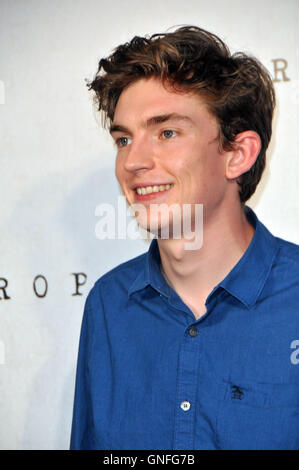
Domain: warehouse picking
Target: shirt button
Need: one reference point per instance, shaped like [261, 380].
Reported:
[193, 331]
[185, 405]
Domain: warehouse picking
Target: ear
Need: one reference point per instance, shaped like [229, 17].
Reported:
[246, 148]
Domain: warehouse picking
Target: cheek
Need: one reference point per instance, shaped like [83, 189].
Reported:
[184, 159]
[118, 170]
[206, 173]
[213, 163]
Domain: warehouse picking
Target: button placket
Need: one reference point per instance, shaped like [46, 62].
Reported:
[186, 393]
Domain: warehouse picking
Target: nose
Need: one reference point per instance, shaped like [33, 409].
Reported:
[139, 156]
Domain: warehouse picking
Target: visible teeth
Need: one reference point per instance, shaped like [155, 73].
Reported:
[153, 189]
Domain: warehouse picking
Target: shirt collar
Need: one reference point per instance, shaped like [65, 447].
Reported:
[245, 281]
[151, 274]
[247, 278]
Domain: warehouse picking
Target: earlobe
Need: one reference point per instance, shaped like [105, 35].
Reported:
[247, 146]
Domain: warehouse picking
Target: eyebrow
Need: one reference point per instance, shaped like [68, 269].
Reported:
[152, 122]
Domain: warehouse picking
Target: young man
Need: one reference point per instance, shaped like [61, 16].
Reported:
[190, 349]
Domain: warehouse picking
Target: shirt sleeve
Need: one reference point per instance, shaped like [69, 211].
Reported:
[81, 433]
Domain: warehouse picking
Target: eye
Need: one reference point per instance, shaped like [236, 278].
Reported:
[168, 134]
[122, 141]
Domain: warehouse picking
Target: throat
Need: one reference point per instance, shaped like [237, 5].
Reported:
[198, 310]
[196, 303]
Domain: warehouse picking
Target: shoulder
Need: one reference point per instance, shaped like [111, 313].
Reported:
[287, 254]
[284, 274]
[118, 280]
[128, 269]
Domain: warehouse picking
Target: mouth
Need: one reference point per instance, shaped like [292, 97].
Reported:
[155, 189]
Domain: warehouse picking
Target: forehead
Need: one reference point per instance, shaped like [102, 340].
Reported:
[149, 97]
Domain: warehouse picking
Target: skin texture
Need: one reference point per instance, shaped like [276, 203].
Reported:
[183, 151]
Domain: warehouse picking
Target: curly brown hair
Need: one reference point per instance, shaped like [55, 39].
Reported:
[236, 87]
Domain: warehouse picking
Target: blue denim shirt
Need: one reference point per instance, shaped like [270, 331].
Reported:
[151, 376]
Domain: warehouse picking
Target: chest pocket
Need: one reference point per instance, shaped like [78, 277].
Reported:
[258, 416]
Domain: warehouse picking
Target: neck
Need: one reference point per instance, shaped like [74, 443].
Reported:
[194, 273]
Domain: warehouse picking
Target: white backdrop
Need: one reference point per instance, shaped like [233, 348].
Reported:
[57, 165]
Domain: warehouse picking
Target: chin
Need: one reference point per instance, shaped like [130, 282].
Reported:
[163, 223]
[162, 230]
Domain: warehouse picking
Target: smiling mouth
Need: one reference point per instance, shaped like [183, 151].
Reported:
[143, 190]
